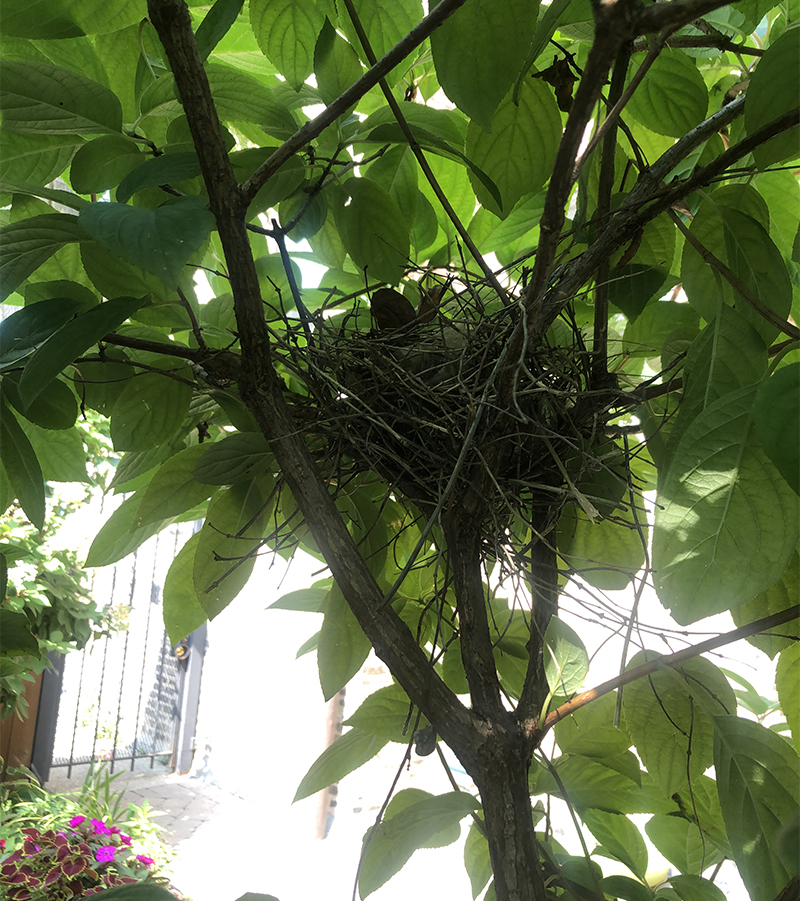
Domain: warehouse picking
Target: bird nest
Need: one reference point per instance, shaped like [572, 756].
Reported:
[418, 401]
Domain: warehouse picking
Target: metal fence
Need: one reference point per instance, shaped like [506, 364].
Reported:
[129, 696]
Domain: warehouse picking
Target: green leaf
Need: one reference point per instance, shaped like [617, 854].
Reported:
[606, 554]
[65, 198]
[183, 612]
[672, 97]
[149, 410]
[310, 600]
[102, 163]
[476, 860]
[781, 595]
[34, 158]
[41, 98]
[776, 417]
[71, 340]
[286, 31]
[619, 839]
[61, 454]
[745, 247]
[16, 638]
[682, 843]
[235, 458]
[665, 717]
[229, 541]
[336, 64]
[499, 36]
[758, 779]
[347, 753]
[519, 151]
[66, 18]
[160, 241]
[21, 467]
[626, 888]
[566, 662]
[343, 646]
[29, 243]
[374, 231]
[695, 888]
[22, 332]
[590, 730]
[140, 892]
[160, 170]
[385, 713]
[773, 91]
[118, 538]
[173, 489]
[216, 24]
[397, 838]
[787, 681]
[726, 522]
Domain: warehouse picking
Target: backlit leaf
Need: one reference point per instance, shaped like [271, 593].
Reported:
[681, 842]
[672, 97]
[174, 489]
[776, 417]
[566, 662]
[336, 64]
[286, 31]
[21, 467]
[26, 329]
[619, 838]
[347, 753]
[343, 646]
[149, 410]
[787, 681]
[781, 595]
[183, 612]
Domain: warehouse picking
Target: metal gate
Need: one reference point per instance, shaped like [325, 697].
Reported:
[129, 696]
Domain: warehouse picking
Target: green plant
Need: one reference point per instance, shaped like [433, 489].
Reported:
[562, 299]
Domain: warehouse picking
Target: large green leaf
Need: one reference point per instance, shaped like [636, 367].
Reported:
[39, 97]
[229, 541]
[241, 98]
[16, 638]
[681, 842]
[61, 454]
[665, 717]
[745, 247]
[591, 731]
[173, 489]
[619, 839]
[499, 35]
[34, 158]
[71, 340]
[216, 24]
[777, 421]
[118, 537]
[781, 595]
[606, 554]
[29, 243]
[22, 332]
[160, 241]
[374, 231]
[343, 646]
[235, 458]
[21, 467]
[399, 836]
[726, 522]
[476, 859]
[384, 713]
[149, 410]
[787, 682]
[101, 164]
[672, 97]
[183, 612]
[68, 18]
[385, 23]
[160, 170]
[519, 151]
[773, 91]
[336, 64]
[758, 779]
[286, 31]
[566, 662]
[347, 753]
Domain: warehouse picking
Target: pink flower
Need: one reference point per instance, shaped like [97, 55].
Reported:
[143, 858]
[100, 828]
[105, 853]
[76, 821]
[125, 839]
[2, 844]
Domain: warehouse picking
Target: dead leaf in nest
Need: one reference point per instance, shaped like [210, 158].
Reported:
[391, 310]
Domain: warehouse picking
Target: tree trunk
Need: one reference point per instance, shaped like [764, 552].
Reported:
[513, 847]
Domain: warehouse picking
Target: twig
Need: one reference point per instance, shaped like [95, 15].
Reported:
[702, 42]
[196, 330]
[646, 669]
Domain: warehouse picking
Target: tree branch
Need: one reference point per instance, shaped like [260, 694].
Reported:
[702, 42]
[673, 14]
[262, 391]
[638, 672]
[352, 95]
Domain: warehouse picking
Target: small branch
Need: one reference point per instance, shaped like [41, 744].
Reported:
[423, 162]
[158, 347]
[646, 669]
[673, 14]
[279, 236]
[351, 96]
[196, 330]
[735, 282]
[702, 42]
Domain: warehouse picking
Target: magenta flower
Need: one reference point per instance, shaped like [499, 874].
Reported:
[143, 858]
[105, 853]
[76, 821]
[100, 828]
[125, 839]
